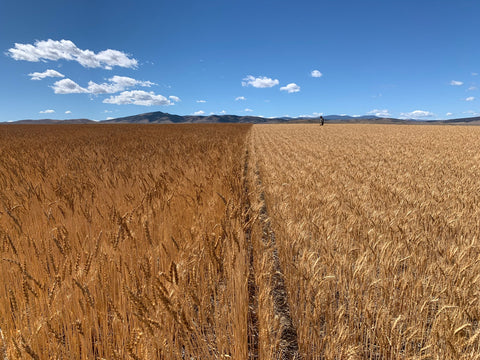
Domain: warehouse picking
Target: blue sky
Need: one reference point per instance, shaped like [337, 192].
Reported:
[99, 59]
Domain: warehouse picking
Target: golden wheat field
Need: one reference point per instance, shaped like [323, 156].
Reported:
[239, 241]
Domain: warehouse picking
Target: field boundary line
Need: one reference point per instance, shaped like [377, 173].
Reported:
[285, 329]
[252, 321]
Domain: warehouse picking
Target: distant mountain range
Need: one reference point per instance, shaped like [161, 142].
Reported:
[159, 117]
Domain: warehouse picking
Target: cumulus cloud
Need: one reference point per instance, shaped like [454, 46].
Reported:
[138, 97]
[248, 110]
[46, 73]
[240, 98]
[448, 114]
[470, 98]
[417, 114]
[49, 111]
[201, 101]
[456, 83]
[223, 112]
[67, 86]
[66, 50]
[174, 98]
[380, 113]
[68, 112]
[316, 74]
[199, 112]
[259, 82]
[291, 88]
[116, 84]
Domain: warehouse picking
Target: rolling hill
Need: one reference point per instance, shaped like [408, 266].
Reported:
[159, 117]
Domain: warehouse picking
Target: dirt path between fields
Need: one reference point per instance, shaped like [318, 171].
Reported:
[271, 330]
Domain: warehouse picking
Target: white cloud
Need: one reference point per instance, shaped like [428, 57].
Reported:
[456, 83]
[291, 88]
[417, 114]
[223, 112]
[248, 110]
[471, 88]
[380, 112]
[109, 118]
[448, 114]
[316, 74]
[474, 74]
[201, 101]
[260, 82]
[116, 84]
[470, 98]
[240, 98]
[138, 97]
[199, 112]
[471, 112]
[46, 73]
[66, 50]
[49, 111]
[313, 115]
[67, 86]
[174, 98]
[68, 112]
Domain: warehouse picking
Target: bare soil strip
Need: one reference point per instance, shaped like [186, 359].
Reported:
[252, 321]
[287, 346]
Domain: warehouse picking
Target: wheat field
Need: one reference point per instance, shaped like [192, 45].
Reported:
[121, 242]
[239, 241]
[377, 229]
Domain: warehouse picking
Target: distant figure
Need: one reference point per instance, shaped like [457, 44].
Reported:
[322, 121]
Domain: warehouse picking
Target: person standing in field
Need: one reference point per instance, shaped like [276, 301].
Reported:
[322, 121]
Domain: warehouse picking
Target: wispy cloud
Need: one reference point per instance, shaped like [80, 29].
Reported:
[417, 114]
[138, 97]
[201, 101]
[291, 88]
[448, 114]
[474, 74]
[66, 50]
[46, 73]
[259, 82]
[240, 98]
[199, 112]
[380, 113]
[470, 98]
[174, 98]
[49, 111]
[68, 112]
[316, 74]
[456, 83]
[313, 115]
[248, 110]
